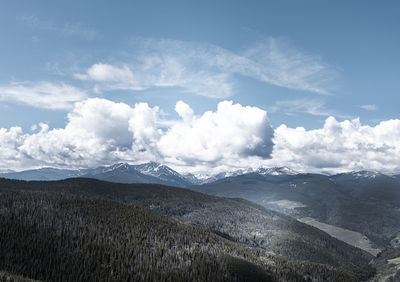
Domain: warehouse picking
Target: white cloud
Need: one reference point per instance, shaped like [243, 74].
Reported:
[339, 146]
[101, 132]
[369, 107]
[231, 133]
[10, 140]
[278, 63]
[211, 71]
[184, 111]
[104, 72]
[98, 131]
[309, 106]
[42, 94]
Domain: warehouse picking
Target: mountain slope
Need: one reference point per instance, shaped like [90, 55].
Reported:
[388, 266]
[42, 174]
[235, 219]
[367, 203]
[61, 237]
[122, 172]
[163, 173]
[8, 277]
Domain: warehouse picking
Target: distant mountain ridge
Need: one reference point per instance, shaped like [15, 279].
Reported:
[153, 172]
[46, 173]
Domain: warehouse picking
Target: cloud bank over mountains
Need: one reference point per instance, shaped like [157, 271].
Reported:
[340, 146]
[101, 131]
[225, 136]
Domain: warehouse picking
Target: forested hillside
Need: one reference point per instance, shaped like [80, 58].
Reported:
[63, 237]
[234, 219]
[387, 264]
[365, 202]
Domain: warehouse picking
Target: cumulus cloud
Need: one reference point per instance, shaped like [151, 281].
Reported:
[10, 140]
[54, 96]
[104, 72]
[339, 146]
[100, 132]
[209, 70]
[184, 111]
[231, 133]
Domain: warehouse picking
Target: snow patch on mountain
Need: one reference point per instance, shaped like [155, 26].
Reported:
[156, 170]
[276, 171]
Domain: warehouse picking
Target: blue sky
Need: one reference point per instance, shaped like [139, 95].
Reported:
[300, 61]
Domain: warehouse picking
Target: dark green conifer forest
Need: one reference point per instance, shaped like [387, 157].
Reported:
[53, 236]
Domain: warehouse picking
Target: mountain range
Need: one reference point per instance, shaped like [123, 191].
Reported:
[151, 172]
[342, 220]
[360, 208]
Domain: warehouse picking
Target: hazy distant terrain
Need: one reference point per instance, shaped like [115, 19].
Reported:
[364, 202]
[122, 172]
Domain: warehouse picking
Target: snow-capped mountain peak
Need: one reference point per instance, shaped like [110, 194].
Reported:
[276, 171]
[365, 174]
[155, 169]
[118, 166]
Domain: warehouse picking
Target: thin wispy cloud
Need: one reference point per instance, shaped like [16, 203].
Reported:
[278, 63]
[305, 106]
[69, 29]
[369, 107]
[209, 70]
[45, 95]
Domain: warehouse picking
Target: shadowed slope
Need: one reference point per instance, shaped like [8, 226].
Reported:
[235, 219]
[63, 237]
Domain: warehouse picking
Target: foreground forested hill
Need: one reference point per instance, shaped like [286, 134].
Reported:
[62, 237]
[235, 219]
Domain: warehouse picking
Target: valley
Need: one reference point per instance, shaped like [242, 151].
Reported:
[356, 202]
[353, 238]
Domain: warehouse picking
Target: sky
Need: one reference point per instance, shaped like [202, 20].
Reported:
[202, 86]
